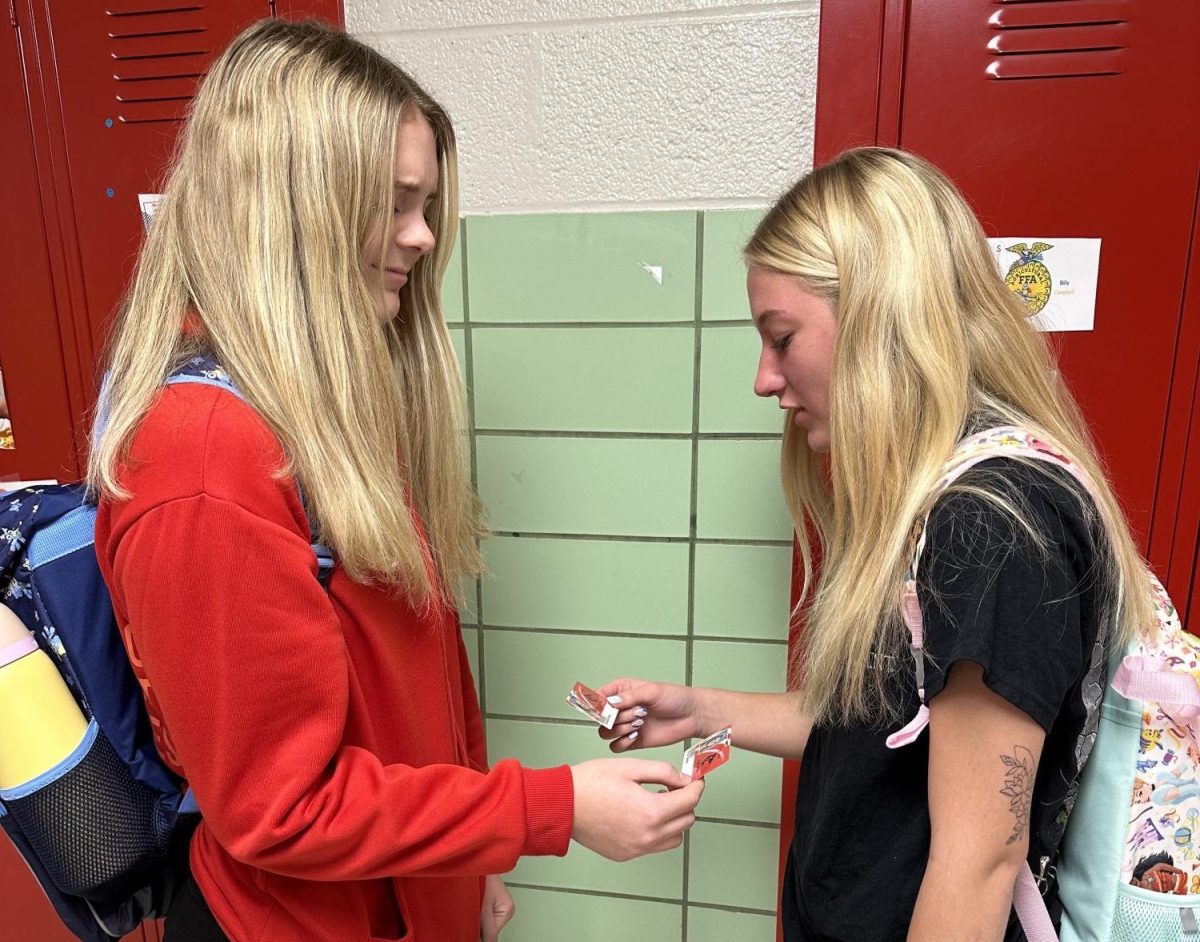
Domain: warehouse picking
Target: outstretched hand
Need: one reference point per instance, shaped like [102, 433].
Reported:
[619, 819]
[650, 714]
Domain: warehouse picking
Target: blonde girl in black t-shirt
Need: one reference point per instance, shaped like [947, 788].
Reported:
[887, 337]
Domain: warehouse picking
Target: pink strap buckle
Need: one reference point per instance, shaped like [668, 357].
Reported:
[902, 737]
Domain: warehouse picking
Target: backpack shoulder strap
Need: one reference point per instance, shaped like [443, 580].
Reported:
[1007, 441]
[206, 371]
[1001, 442]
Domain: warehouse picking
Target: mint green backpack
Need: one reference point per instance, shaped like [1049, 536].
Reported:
[1128, 865]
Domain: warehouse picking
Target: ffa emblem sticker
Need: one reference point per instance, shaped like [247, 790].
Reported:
[1028, 277]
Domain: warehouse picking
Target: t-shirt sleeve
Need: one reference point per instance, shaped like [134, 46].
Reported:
[991, 595]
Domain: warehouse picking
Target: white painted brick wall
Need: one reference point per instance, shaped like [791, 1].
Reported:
[565, 105]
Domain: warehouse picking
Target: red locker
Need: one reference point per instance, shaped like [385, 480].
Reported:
[91, 94]
[1071, 118]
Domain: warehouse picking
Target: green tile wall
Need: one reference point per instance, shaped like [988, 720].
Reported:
[724, 277]
[580, 380]
[734, 865]
[529, 673]
[728, 364]
[452, 285]
[459, 338]
[588, 585]
[585, 485]
[546, 915]
[741, 589]
[739, 494]
[632, 482]
[715, 925]
[582, 267]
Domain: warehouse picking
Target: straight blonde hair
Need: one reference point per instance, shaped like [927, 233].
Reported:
[931, 345]
[283, 173]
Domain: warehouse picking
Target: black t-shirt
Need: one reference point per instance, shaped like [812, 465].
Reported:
[988, 595]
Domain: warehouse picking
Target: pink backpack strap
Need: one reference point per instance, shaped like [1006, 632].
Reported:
[1149, 673]
[1031, 908]
[1004, 442]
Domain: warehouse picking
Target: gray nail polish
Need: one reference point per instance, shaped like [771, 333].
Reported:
[636, 723]
[640, 711]
[633, 735]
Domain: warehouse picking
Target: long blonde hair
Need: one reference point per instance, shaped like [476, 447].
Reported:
[930, 341]
[283, 172]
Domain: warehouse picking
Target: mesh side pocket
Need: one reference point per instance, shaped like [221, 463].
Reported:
[1142, 916]
[97, 830]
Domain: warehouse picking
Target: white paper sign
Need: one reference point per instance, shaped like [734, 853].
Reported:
[148, 204]
[1055, 277]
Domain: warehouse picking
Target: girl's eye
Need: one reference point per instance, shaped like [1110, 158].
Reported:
[782, 343]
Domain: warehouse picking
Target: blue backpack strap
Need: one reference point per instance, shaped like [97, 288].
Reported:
[206, 371]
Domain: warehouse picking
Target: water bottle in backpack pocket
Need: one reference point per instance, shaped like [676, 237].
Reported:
[100, 820]
[103, 823]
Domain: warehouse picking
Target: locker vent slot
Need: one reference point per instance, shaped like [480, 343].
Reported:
[159, 50]
[1058, 38]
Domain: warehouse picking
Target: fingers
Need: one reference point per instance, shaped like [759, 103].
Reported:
[498, 909]
[624, 744]
[627, 721]
[672, 832]
[504, 911]
[683, 799]
[618, 686]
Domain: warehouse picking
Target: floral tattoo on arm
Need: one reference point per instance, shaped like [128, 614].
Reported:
[1018, 788]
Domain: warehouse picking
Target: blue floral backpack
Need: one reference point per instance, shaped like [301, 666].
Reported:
[1128, 865]
[105, 832]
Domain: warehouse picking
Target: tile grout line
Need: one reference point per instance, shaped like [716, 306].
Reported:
[741, 822]
[469, 367]
[636, 635]
[609, 894]
[697, 333]
[722, 323]
[630, 436]
[638, 538]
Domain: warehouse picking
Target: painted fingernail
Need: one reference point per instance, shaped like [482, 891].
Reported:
[636, 723]
[640, 711]
[633, 735]
[615, 699]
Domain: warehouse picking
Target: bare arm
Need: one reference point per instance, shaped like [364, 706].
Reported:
[653, 714]
[983, 756]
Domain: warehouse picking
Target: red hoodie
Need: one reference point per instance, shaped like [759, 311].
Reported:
[333, 741]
